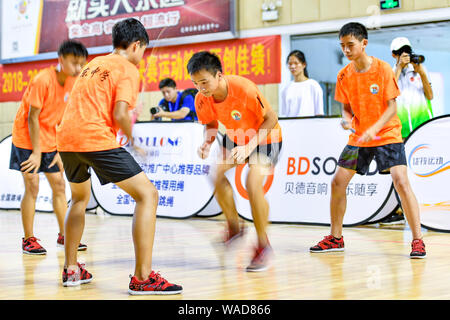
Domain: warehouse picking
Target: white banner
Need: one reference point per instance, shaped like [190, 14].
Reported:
[299, 190]
[428, 155]
[20, 26]
[12, 186]
[172, 164]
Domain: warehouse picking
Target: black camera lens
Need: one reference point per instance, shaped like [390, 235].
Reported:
[154, 110]
[417, 58]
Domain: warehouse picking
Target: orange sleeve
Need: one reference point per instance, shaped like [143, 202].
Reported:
[340, 94]
[127, 88]
[204, 113]
[256, 102]
[38, 92]
[391, 90]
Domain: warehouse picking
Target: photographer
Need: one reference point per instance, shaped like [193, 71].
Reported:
[175, 105]
[413, 104]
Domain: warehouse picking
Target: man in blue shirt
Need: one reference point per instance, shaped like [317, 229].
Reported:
[179, 105]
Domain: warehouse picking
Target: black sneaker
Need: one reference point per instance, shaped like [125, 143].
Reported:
[393, 219]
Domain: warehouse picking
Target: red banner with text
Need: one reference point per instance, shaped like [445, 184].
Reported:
[258, 59]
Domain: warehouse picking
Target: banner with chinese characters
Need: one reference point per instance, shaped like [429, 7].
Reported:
[258, 59]
[299, 189]
[91, 21]
[182, 178]
[428, 155]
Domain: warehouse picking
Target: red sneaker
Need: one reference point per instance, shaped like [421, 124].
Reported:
[230, 238]
[261, 259]
[31, 246]
[155, 284]
[418, 249]
[75, 278]
[329, 243]
[60, 243]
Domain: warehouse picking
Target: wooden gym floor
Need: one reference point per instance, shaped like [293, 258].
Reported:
[375, 265]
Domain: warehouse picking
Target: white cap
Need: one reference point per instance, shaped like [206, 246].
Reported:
[399, 42]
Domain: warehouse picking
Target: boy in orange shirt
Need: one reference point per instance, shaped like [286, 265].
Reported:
[98, 107]
[253, 136]
[34, 139]
[367, 89]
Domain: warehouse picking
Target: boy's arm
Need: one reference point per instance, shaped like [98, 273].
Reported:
[347, 115]
[33, 163]
[371, 133]
[122, 117]
[270, 121]
[211, 130]
[240, 153]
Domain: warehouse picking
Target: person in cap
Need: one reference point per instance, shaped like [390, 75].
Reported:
[414, 103]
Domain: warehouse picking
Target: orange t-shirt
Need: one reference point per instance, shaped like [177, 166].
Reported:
[242, 112]
[45, 93]
[88, 123]
[368, 94]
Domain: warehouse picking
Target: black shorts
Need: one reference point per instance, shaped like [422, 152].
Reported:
[386, 157]
[272, 151]
[19, 155]
[113, 165]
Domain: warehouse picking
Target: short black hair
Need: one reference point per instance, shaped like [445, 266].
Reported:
[127, 31]
[75, 48]
[167, 82]
[204, 60]
[355, 29]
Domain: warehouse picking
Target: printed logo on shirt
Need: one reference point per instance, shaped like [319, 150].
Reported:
[412, 79]
[236, 115]
[374, 88]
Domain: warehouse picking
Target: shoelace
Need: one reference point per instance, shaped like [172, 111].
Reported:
[33, 241]
[327, 240]
[418, 246]
[157, 277]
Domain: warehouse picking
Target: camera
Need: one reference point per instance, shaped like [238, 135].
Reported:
[414, 58]
[154, 110]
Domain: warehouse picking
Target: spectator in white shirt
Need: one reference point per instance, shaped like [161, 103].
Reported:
[302, 97]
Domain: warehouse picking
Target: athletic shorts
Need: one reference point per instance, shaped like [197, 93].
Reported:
[386, 157]
[19, 155]
[113, 165]
[272, 151]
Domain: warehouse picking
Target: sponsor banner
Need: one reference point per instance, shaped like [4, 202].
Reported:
[182, 178]
[91, 21]
[391, 205]
[428, 154]
[12, 187]
[300, 187]
[257, 59]
[20, 26]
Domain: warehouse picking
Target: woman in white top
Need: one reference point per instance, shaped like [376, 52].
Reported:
[303, 97]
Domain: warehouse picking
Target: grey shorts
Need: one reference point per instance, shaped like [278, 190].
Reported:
[386, 157]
